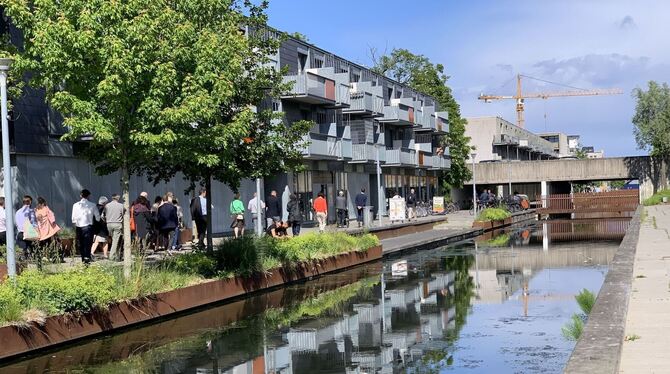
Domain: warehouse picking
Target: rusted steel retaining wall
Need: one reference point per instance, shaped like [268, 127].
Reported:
[517, 217]
[18, 340]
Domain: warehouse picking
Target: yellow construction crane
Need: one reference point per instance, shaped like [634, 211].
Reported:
[520, 96]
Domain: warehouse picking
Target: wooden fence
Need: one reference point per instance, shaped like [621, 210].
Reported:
[598, 202]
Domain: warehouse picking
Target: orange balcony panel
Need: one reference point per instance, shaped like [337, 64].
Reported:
[410, 111]
[330, 89]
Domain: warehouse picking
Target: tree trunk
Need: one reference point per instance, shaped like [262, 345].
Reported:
[127, 244]
[208, 186]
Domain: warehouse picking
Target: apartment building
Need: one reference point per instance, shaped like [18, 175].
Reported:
[496, 139]
[359, 117]
[361, 120]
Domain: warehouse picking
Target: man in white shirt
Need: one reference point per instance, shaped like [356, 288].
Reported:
[253, 208]
[3, 222]
[83, 214]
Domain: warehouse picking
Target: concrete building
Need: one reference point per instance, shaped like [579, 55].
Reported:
[497, 139]
[559, 141]
[359, 117]
[573, 143]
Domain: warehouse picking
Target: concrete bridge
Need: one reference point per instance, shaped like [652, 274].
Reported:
[555, 176]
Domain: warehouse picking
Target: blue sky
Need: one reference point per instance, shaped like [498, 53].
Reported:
[482, 44]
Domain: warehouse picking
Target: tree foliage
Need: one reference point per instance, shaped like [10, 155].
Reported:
[421, 74]
[652, 119]
[160, 86]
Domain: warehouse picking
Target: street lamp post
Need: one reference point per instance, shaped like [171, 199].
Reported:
[474, 183]
[379, 188]
[259, 213]
[5, 63]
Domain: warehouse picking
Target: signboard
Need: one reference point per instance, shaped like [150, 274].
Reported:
[397, 209]
[438, 204]
[399, 269]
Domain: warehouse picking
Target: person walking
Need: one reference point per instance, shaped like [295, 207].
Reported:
[199, 215]
[361, 201]
[167, 221]
[100, 229]
[24, 219]
[113, 214]
[176, 245]
[341, 208]
[273, 211]
[294, 214]
[237, 212]
[84, 214]
[46, 222]
[3, 222]
[321, 209]
[410, 201]
[252, 206]
[142, 217]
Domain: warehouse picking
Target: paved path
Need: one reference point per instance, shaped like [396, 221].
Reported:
[648, 318]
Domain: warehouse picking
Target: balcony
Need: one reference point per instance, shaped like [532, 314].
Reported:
[505, 139]
[401, 157]
[424, 159]
[365, 103]
[323, 146]
[367, 153]
[425, 118]
[441, 122]
[311, 88]
[342, 85]
[399, 112]
[440, 162]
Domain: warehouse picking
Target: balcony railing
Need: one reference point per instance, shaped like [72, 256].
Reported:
[365, 103]
[311, 88]
[399, 111]
[424, 159]
[505, 139]
[326, 146]
[367, 153]
[400, 156]
[440, 162]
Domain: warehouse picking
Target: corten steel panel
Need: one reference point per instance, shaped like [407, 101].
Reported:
[330, 89]
[410, 112]
[132, 342]
[61, 329]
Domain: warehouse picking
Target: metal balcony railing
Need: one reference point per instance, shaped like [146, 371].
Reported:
[310, 88]
[367, 153]
[365, 102]
[326, 146]
[400, 156]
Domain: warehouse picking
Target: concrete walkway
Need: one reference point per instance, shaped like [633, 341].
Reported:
[647, 344]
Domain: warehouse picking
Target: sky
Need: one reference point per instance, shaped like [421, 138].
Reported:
[484, 44]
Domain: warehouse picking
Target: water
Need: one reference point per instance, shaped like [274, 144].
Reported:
[492, 305]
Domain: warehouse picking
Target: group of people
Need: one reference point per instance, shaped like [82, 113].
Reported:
[272, 211]
[487, 198]
[35, 227]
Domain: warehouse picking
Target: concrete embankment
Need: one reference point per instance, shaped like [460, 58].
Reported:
[599, 348]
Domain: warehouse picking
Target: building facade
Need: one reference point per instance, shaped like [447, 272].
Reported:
[361, 120]
[496, 139]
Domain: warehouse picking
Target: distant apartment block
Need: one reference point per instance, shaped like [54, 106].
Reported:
[496, 139]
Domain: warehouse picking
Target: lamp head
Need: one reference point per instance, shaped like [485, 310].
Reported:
[5, 63]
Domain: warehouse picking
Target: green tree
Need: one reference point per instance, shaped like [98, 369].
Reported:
[421, 74]
[151, 82]
[580, 153]
[652, 119]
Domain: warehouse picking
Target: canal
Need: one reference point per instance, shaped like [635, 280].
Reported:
[493, 304]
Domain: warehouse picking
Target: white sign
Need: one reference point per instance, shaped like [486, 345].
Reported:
[397, 209]
[438, 204]
[399, 269]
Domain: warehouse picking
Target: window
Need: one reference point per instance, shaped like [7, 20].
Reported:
[302, 62]
[318, 63]
[275, 106]
[321, 117]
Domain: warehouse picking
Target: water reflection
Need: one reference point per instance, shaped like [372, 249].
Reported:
[491, 305]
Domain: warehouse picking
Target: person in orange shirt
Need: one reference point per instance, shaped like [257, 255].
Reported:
[321, 208]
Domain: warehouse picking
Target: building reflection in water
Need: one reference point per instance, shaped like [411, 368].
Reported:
[347, 326]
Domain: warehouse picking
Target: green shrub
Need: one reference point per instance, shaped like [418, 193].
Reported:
[80, 289]
[657, 198]
[499, 241]
[243, 256]
[193, 263]
[11, 304]
[493, 214]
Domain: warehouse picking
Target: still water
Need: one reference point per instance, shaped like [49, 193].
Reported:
[495, 304]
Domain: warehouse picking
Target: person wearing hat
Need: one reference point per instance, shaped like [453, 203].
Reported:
[84, 214]
[100, 229]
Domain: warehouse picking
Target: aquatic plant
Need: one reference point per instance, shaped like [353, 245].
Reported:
[573, 329]
[499, 241]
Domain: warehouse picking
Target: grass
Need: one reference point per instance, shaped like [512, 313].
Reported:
[657, 198]
[631, 338]
[493, 214]
[37, 293]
